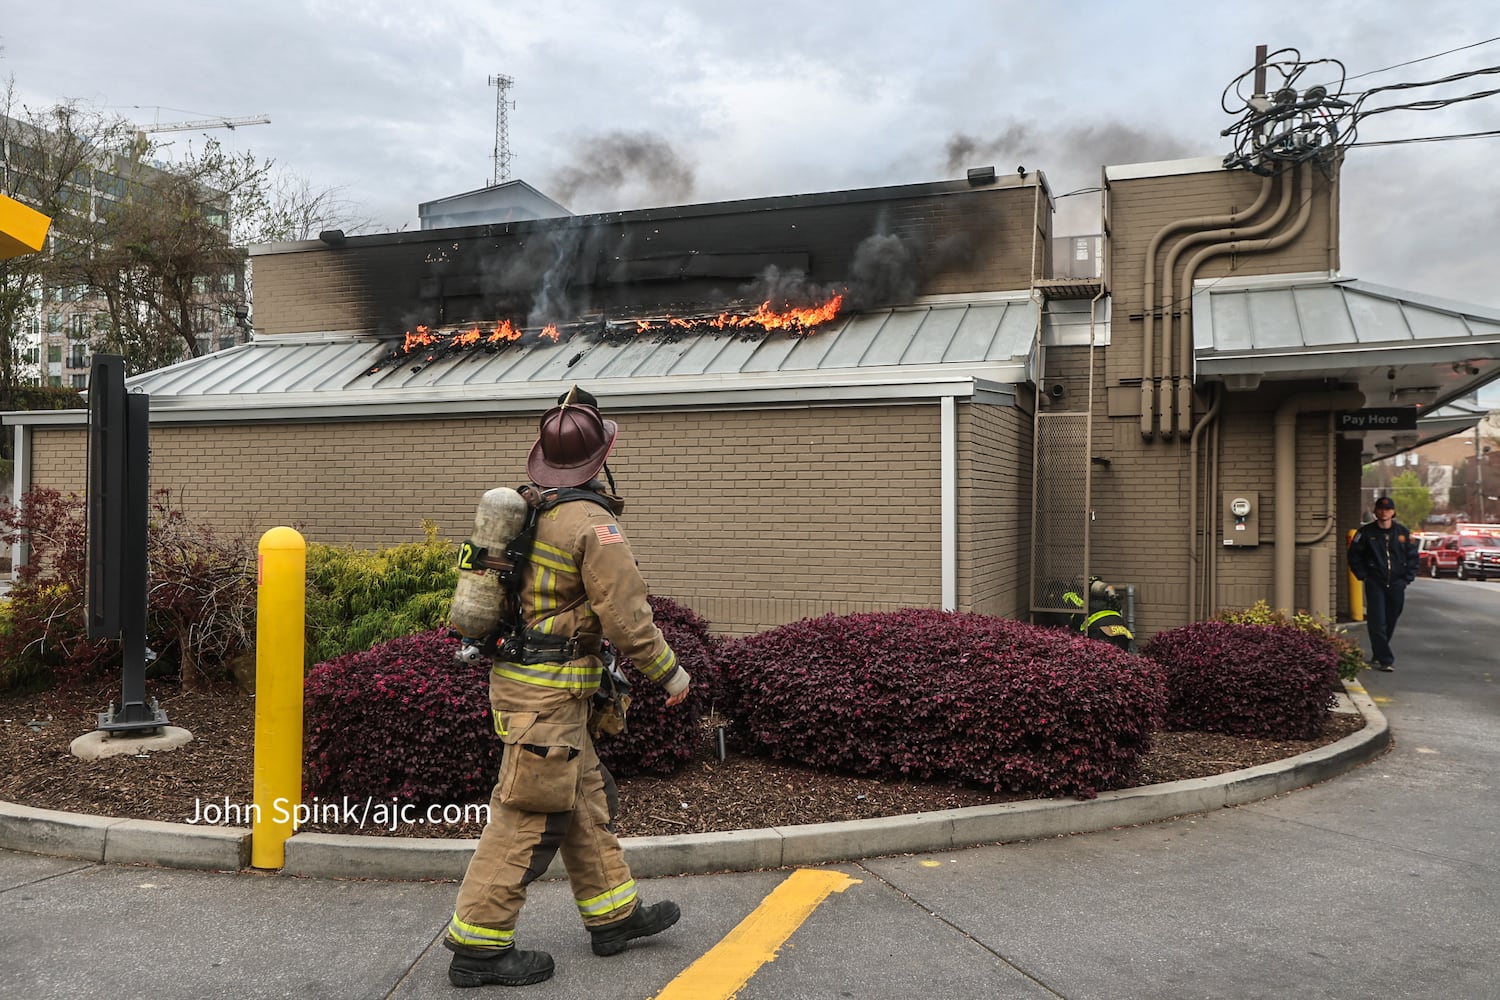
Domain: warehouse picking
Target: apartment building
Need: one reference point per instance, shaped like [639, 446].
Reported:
[64, 320]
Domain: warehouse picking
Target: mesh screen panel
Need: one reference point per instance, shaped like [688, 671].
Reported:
[1060, 505]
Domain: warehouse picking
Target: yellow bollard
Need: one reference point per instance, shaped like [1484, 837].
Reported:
[281, 610]
[1356, 588]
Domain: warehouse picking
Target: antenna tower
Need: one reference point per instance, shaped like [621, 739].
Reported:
[502, 128]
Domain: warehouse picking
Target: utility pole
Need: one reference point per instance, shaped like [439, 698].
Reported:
[1479, 472]
[502, 129]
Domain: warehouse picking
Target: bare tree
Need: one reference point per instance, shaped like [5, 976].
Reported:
[161, 246]
[47, 163]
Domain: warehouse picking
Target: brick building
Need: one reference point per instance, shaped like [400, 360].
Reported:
[969, 431]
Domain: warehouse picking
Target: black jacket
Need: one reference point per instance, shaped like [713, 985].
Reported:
[1383, 557]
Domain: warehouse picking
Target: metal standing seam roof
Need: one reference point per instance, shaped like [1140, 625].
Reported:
[988, 337]
[1380, 338]
[1311, 318]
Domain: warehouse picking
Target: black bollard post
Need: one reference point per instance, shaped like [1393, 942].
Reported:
[118, 570]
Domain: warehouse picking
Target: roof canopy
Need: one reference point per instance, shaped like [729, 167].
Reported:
[1399, 348]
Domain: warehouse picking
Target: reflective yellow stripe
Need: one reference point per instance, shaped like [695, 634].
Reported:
[581, 677]
[1089, 622]
[475, 936]
[553, 558]
[661, 665]
[608, 902]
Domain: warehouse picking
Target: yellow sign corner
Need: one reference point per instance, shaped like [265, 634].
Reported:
[23, 229]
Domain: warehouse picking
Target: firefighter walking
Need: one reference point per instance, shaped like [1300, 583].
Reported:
[579, 588]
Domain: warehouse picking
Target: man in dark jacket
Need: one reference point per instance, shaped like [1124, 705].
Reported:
[1383, 556]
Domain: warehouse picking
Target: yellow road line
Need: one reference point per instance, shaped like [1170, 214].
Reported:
[728, 965]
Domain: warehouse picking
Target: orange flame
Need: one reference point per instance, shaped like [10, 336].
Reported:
[504, 333]
[796, 320]
[422, 338]
[550, 331]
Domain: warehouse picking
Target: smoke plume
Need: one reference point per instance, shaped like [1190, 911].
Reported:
[1071, 157]
[619, 171]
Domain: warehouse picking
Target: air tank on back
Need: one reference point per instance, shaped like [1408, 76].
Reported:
[479, 597]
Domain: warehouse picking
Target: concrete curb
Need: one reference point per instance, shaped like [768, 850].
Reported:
[322, 855]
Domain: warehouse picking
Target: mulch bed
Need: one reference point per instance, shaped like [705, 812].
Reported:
[706, 795]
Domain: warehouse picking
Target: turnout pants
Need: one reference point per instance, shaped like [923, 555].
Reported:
[552, 795]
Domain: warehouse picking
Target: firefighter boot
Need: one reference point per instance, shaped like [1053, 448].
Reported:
[488, 967]
[644, 921]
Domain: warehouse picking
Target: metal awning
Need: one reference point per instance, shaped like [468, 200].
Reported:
[1401, 349]
[943, 345]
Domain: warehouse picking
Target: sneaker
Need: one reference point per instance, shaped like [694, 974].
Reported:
[1386, 667]
[644, 921]
[511, 967]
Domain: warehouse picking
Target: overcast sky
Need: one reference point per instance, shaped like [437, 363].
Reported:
[628, 105]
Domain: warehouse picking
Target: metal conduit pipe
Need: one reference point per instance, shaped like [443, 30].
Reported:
[1195, 553]
[1183, 378]
[1148, 293]
[1331, 515]
[1284, 534]
[1169, 269]
[1211, 574]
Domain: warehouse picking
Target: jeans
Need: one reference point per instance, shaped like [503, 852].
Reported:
[1383, 604]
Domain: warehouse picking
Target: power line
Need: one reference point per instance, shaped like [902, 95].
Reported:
[1412, 62]
[1428, 138]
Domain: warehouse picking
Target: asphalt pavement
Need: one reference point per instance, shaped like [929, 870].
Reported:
[1381, 882]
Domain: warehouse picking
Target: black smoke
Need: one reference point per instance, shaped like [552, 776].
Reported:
[618, 171]
[1079, 153]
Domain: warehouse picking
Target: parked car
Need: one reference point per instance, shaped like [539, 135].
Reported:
[1481, 561]
[1447, 555]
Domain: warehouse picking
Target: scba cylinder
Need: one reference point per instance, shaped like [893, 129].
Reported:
[479, 597]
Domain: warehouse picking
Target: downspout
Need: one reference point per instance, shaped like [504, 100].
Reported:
[948, 504]
[20, 550]
[1331, 516]
[1211, 573]
[1284, 534]
[1148, 295]
[1183, 377]
[1195, 551]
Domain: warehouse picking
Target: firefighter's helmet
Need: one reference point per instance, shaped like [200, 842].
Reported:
[572, 445]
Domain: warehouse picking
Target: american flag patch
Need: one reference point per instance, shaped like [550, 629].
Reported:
[608, 534]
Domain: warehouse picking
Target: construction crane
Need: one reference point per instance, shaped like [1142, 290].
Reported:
[141, 131]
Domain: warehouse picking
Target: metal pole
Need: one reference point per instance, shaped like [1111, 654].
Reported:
[281, 611]
[1479, 473]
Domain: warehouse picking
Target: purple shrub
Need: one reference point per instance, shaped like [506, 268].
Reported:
[929, 694]
[1246, 680]
[404, 720]
[657, 738]
[401, 720]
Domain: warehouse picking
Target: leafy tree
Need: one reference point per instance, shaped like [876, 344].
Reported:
[1413, 499]
[162, 246]
[48, 158]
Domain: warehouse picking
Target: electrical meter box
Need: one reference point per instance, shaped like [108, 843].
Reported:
[1241, 518]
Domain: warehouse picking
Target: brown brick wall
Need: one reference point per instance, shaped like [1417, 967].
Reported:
[752, 518]
[1141, 498]
[1138, 209]
[994, 510]
[965, 240]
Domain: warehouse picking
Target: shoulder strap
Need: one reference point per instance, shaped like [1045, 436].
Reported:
[518, 551]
